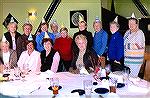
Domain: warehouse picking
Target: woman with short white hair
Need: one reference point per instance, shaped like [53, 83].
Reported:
[9, 56]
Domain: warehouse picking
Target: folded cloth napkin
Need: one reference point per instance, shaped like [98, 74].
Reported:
[84, 71]
[112, 75]
[119, 77]
[46, 74]
[105, 84]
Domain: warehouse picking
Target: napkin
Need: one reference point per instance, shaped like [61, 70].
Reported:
[112, 75]
[116, 76]
[46, 74]
[105, 83]
[84, 71]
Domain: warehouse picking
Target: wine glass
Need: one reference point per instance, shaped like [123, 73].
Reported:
[126, 75]
[25, 68]
[17, 73]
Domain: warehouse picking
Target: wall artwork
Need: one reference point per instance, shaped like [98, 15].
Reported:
[74, 17]
[7, 20]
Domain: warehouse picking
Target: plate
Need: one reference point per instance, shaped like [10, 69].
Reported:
[101, 90]
[80, 91]
[50, 88]
[6, 75]
[120, 85]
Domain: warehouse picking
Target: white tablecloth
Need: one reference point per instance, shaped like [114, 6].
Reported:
[37, 85]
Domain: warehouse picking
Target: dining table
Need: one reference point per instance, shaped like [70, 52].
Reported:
[35, 85]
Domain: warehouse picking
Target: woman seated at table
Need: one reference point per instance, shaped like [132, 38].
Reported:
[50, 59]
[84, 58]
[9, 56]
[30, 60]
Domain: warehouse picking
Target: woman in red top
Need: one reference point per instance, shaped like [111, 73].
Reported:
[64, 46]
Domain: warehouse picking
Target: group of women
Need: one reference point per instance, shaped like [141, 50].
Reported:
[57, 51]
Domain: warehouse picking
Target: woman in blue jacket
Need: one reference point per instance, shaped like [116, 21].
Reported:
[116, 45]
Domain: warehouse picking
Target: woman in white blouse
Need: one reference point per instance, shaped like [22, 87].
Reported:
[29, 60]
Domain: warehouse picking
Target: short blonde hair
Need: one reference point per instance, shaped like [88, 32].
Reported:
[80, 37]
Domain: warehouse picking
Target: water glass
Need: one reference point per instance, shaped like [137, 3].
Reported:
[112, 85]
[25, 69]
[87, 87]
[17, 73]
[126, 75]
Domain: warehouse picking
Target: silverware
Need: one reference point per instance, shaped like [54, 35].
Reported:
[35, 90]
[100, 96]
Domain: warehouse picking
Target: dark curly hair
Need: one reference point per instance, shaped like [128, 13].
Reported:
[46, 40]
[28, 41]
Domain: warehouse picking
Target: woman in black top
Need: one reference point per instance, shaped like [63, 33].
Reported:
[50, 59]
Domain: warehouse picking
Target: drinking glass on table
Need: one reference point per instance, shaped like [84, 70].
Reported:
[6, 67]
[87, 87]
[17, 73]
[112, 85]
[126, 72]
[55, 85]
[25, 69]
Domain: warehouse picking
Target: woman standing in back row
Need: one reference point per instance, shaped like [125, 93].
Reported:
[63, 46]
[134, 46]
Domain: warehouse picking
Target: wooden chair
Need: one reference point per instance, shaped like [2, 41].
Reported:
[147, 67]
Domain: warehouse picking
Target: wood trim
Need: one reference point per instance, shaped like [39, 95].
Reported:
[147, 56]
[147, 66]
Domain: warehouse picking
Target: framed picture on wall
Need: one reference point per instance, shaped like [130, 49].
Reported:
[148, 27]
[74, 17]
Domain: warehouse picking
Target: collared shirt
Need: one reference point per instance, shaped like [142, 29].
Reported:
[32, 61]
